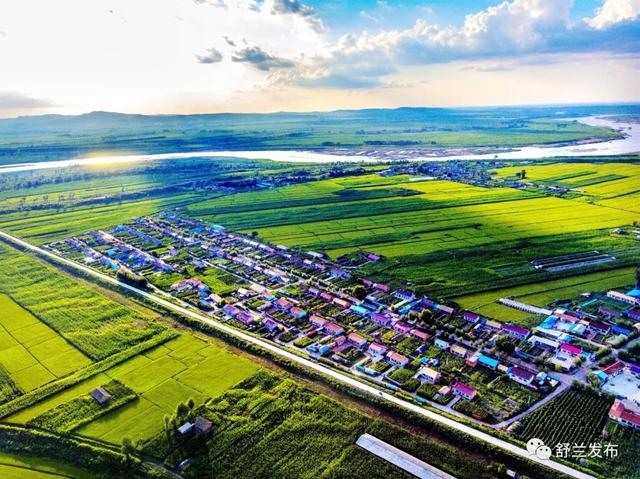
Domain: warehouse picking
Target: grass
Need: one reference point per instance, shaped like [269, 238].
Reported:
[96, 325]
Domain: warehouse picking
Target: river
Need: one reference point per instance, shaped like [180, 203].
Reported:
[629, 144]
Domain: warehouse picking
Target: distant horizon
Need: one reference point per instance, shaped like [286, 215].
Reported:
[332, 110]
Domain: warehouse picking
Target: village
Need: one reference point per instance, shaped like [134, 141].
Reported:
[425, 350]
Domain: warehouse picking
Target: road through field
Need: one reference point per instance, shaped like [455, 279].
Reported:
[507, 446]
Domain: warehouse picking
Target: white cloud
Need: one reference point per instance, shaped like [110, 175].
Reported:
[613, 12]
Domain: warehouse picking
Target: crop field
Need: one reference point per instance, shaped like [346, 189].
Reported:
[615, 185]
[31, 353]
[560, 421]
[442, 236]
[46, 225]
[14, 466]
[541, 294]
[271, 426]
[181, 369]
[94, 324]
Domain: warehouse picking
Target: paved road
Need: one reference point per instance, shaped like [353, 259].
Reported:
[354, 383]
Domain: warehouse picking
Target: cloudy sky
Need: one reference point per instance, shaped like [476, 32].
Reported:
[164, 56]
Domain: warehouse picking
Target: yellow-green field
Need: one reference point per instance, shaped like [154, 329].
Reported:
[181, 369]
[13, 466]
[614, 185]
[30, 351]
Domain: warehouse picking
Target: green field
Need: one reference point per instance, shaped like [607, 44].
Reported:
[30, 467]
[96, 325]
[541, 294]
[30, 351]
[444, 237]
[614, 185]
[184, 368]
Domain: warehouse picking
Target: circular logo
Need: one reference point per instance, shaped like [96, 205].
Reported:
[533, 444]
[543, 452]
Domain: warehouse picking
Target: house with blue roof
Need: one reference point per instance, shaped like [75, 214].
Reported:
[488, 362]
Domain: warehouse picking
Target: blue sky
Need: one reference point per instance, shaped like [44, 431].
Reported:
[347, 16]
[161, 56]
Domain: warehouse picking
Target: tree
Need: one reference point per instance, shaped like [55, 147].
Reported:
[359, 292]
[523, 174]
[505, 345]
[638, 276]
[128, 449]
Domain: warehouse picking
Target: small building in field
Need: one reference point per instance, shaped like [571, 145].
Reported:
[185, 429]
[101, 396]
[202, 426]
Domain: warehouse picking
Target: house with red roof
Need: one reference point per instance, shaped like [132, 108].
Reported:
[421, 335]
[623, 416]
[357, 340]
[297, 312]
[283, 304]
[570, 350]
[377, 349]
[317, 321]
[397, 359]
[464, 391]
[380, 319]
[401, 327]
[599, 328]
[333, 329]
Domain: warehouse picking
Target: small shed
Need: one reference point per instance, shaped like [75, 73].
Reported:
[202, 426]
[186, 428]
[101, 396]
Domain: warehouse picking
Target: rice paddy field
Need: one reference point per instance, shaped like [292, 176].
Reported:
[614, 185]
[31, 353]
[14, 466]
[443, 236]
[181, 369]
[96, 325]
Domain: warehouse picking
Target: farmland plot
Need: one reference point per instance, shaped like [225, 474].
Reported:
[95, 324]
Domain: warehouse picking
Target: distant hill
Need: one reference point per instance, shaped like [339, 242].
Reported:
[54, 137]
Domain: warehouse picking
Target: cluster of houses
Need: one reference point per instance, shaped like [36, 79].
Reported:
[305, 300]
